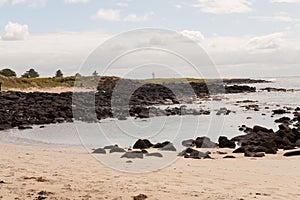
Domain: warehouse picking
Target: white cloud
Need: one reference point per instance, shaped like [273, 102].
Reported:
[108, 15]
[275, 54]
[238, 56]
[115, 15]
[11, 2]
[29, 3]
[268, 42]
[122, 4]
[47, 52]
[135, 18]
[278, 17]
[178, 6]
[76, 1]
[2, 2]
[193, 35]
[285, 1]
[224, 6]
[15, 2]
[15, 31]
[36, 3]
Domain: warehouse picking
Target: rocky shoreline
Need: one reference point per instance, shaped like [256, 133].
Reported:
[20, 109]
[255, 142]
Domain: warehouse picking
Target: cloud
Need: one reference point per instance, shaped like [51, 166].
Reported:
[193, 35]
[285, 1]
[66, 50]
[37, 3]
[11, 2]
[108, 15]
[15, 31]
[29, 3]
[268, 42]
[115, 15]
[2, 2]
[15, 2]
[278, 17]
[122, 4]
[178, 6]
[135, 18]
[76, 1]
[224, 6]
[235, 56]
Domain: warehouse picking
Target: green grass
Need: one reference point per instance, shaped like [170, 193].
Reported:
[85, 81]
[176, 80]
[23, 83]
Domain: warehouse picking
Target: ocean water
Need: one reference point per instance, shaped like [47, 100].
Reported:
[172, 128]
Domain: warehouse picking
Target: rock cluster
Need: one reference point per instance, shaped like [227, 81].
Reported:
[261, 139]
[19, 109]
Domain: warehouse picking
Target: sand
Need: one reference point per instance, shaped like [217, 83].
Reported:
[72, 173]
[50, 90]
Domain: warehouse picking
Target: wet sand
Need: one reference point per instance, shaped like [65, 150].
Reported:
[72, 173]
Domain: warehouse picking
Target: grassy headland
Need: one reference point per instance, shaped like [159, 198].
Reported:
[9, 83]
[89, 82]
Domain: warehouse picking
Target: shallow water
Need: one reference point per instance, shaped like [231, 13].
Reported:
[174, 128]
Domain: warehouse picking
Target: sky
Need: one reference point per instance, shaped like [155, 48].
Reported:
[235, 38]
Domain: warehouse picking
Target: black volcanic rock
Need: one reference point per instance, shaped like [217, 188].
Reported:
[292, 153]
[254, 154]
[261, 139]
[283, 120]
[257, 129]
[99, 151]
[168, 147]
[239, 89]
[194, 154]
[161, 145]
[188, 143]
[110, 146]
[225, 143]
[280, 112]
[204, 142]
[23, 127]
[117, 150]
[155, 154]
[133, 155]
[229, 156]
[142, 144]
[115, 98]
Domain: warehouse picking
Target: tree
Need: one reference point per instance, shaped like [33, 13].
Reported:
[95, 73]
[78, 75]
[30, 74]
[59, 74]
[8, 72]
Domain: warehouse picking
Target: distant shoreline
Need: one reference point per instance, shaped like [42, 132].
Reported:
[89, 83]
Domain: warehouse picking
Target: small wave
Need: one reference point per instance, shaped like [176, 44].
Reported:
[272, 79]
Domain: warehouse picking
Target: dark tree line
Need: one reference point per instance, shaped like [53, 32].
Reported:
[32, 73]
[8, 73]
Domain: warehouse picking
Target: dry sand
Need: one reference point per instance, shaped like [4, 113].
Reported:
[50, 90]
[72, 173]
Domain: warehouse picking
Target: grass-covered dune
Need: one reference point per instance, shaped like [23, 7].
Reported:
[90, 82]
[86, 82]
[10, 83]
[24, 83]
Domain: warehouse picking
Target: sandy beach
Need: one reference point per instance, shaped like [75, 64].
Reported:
[57, 90]
[72, 173]
[149, 100]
